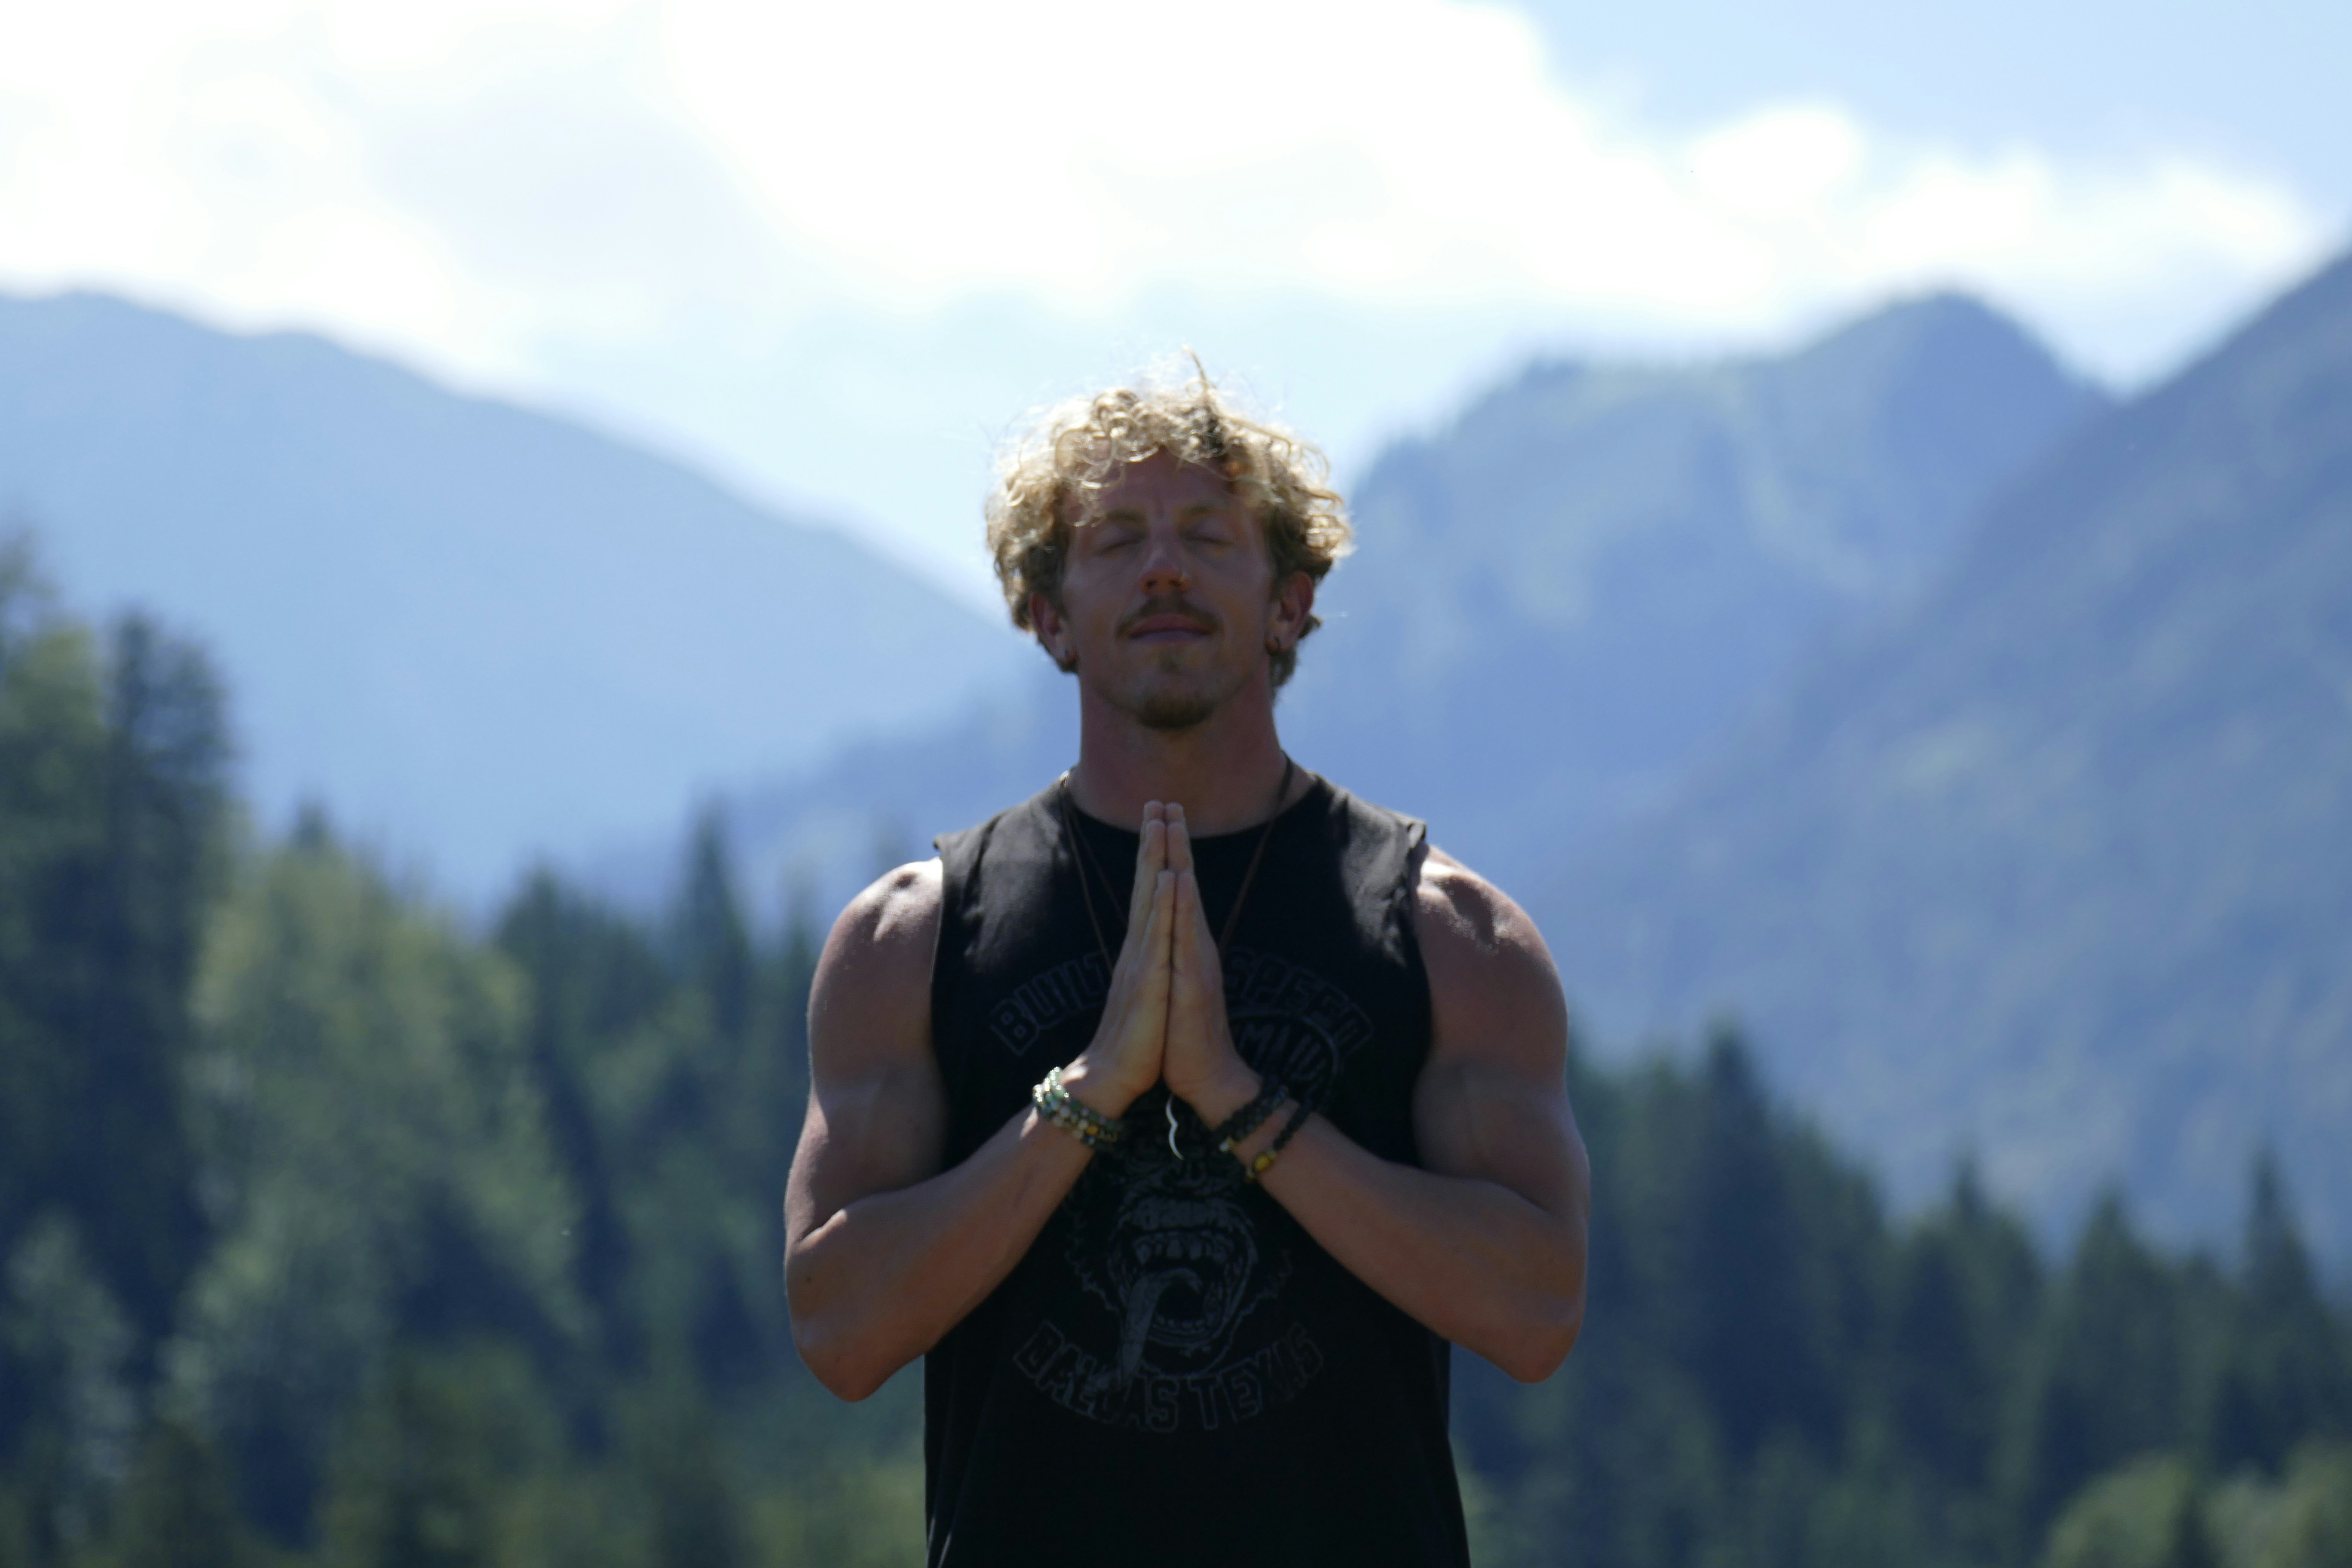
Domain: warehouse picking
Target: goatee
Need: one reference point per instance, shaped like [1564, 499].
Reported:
[1172, 710]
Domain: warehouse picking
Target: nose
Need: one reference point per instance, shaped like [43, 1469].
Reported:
[1163, 567]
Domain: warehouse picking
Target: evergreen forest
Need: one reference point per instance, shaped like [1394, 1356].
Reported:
[337, 1230]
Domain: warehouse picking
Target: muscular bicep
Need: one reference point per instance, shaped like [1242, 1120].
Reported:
[1492, 1103]
[877, 1109]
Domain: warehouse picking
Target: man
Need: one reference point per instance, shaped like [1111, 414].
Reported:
[1182, 1117]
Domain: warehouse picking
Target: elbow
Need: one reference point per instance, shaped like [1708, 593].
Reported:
[827, 1335]
[1540, 1348]
[1554, 1322]
[846, 1370]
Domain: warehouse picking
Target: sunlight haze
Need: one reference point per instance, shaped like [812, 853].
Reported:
[831, 252]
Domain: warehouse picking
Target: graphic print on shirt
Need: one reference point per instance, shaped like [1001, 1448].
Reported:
[1187, 1260]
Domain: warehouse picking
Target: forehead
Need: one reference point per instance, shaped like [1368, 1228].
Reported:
[1158, 482]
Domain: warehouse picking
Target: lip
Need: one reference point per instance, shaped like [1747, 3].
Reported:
[1167, 628]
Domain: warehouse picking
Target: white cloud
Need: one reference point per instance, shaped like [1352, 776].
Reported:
[1420, 155]
[476, 179]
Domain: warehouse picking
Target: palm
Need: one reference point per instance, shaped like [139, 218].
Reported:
[1200, 1057]
[1126, 1055]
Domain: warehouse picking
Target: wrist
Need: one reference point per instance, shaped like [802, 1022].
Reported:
[1098, 1090]
[1259, 1151]
[1057, 1105]
[1225, 1093]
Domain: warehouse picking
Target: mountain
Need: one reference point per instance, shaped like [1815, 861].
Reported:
[1557, 601]
[1563, 598]
[474, 631]
[2056, 866]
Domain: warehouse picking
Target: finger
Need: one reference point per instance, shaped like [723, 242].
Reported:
[1151, 855]
[1184, 946]
[1163, 910]
[1196, 945]
[1203, 960]
[1180, 841]
[1151, 995]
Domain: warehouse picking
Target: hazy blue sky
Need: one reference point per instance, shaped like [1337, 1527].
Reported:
[833, 251]
[2260, 83]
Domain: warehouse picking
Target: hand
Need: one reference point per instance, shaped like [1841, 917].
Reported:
[1202, 1067]
[1125, 1056]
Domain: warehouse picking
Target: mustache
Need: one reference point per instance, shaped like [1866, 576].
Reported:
[1172, 605]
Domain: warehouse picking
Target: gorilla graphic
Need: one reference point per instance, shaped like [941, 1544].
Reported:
[1180, 1249]
[1170, 1248]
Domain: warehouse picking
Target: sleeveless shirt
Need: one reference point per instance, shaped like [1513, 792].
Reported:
[1177, 1372]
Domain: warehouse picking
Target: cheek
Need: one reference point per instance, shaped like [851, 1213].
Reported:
[1086, 615]
[1239, 577]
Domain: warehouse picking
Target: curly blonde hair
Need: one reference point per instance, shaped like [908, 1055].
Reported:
[1078, 447]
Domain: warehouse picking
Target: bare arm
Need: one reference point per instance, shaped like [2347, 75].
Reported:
[1485, 1245]
[885, 1250]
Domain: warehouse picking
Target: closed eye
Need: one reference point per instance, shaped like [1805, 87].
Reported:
[1208, 534]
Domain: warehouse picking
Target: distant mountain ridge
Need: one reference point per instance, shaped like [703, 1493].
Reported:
[1555, 602]
[474, 631]
[2057, 866]
[1588, 577]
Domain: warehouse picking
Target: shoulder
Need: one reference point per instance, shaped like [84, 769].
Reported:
[876, 962]
[898, 909]
[1490, 975]
[1462, 917]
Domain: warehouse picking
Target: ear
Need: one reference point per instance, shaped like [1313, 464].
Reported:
[1053, 632]
[1294, 606]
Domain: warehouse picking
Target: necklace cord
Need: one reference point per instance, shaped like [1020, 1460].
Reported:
[1086, 863]
[1249, 876]
[1088, 868]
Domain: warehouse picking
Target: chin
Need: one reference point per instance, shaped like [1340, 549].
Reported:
[1168, 702]
[1171, 699]
[1172, 710]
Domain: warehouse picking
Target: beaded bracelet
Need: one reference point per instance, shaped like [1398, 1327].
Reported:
[1056, 1107]
[1236, 1128]
[1065, 1110]
[1272, 1152]
[1074, 1115]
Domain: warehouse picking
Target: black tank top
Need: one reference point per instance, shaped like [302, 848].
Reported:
[1177, 1372]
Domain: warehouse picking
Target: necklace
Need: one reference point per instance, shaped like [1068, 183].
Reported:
[1089, 873]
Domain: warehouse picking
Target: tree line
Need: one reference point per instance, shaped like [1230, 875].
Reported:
[335, 1231]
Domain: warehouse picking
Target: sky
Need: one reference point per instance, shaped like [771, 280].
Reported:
[835, 254]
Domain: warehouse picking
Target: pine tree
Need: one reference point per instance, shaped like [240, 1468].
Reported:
[144, 904]
[178, 1510]
[1965, 1288]
[2187, 1543]
[712, 937]
[1751, 1344]
[593, 979]
[2104, 1381]
[696, 1514]
[422, 1475]
[2282, 1376]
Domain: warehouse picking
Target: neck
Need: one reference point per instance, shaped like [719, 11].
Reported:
[1224, 772]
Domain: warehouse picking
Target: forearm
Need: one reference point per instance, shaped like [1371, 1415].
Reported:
[882, 1280]
[1470, 1259]
[1486, 1248]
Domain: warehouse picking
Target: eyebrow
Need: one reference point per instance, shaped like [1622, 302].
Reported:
[1130, 516]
